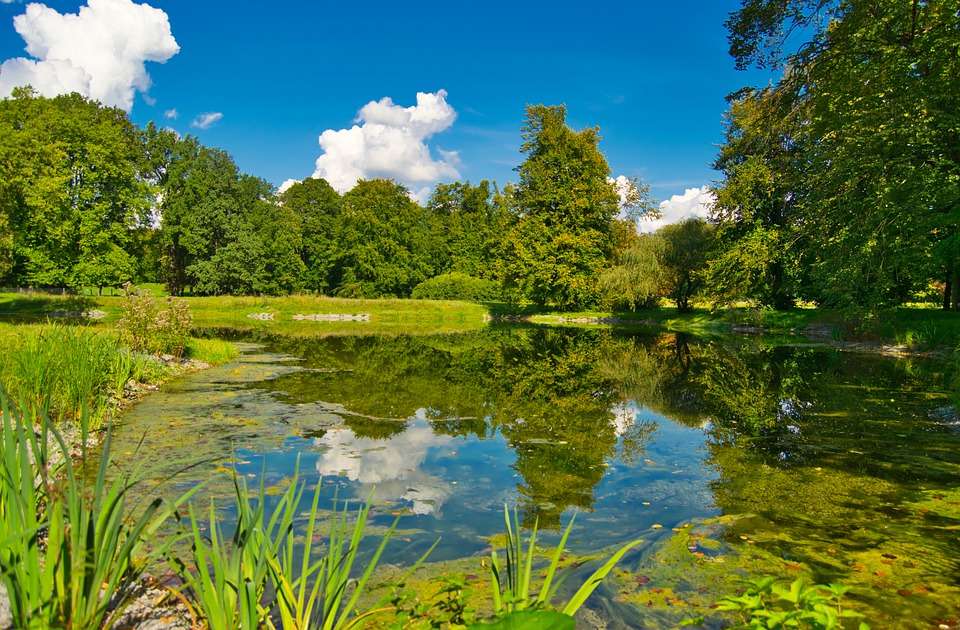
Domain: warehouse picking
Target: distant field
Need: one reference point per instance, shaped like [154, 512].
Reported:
[385, 315]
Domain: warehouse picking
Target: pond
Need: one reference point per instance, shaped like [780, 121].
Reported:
[730, 457]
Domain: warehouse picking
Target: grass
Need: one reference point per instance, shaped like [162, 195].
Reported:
[70, 549]
[512, 581]
[386, 315]
[915, 326]
[60, 370]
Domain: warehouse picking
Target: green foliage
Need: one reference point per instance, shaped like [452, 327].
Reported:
[565, 207]
[513, 581]
[471, 221]
[385, 242]
[229, 580]
[635, 280]
[146, 326]
[847, 167]
[318, 208]
[457, 286]
[71, 190]
[531, 620]
[687, 245]
[768, 604]
[70, 551]
[63, 370]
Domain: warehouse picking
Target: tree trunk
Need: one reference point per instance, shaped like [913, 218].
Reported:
[955, 295]
[947, 292]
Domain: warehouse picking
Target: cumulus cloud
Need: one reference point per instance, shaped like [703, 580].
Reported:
[390, 141]
[100, 51]
[694, 202]
[207, 120]
[392, 466]
[171, 114]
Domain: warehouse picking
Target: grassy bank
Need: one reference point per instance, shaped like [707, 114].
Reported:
[62, 370]
[273, 313]
[913, 327]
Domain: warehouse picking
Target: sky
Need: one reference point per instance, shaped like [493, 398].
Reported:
[422, 92]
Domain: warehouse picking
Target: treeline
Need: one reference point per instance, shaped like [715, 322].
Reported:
[840, 186]
[87, 199]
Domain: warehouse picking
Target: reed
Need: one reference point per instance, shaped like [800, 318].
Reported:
[267, 575]
[70, 551]
[512, 581]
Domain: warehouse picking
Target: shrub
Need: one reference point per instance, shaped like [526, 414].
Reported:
[146, 326]
[457, 286]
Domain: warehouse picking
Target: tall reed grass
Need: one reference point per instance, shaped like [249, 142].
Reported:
[59, 371]
[70, 550]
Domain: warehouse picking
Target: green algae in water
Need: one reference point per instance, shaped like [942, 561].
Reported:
[767, 459]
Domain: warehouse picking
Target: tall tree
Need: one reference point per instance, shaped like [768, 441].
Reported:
[564, 205]
[385, 242]
[874, 92]
[318, 207]
[71, 190]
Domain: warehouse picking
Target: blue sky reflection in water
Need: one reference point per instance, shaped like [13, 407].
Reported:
[798, 456]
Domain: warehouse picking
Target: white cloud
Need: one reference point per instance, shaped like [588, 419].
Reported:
[694, 202]
[100, 51]
[171, 114]
[391, 466]
[207, 120]
[287, 183]
[389, 141]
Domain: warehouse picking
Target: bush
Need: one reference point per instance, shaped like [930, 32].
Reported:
[457, 286]
[145, 326]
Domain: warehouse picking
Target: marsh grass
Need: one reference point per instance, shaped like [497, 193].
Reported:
[70, 550]
[58, 369]
[512, 581]
[62, 371]
[267, 574]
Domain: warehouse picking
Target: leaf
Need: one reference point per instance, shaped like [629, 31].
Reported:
[531, 620]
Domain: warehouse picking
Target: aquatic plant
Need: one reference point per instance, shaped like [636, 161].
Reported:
[512, 582]
[231, 579]
[767, 603]
[69, 551]
[63, 371]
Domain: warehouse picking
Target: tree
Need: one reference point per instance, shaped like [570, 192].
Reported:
[318, 207]
[72, 191]
[385, 241]
[870, 98]
[470, 220]
[687, 245]
[635, 280]
[564, 205]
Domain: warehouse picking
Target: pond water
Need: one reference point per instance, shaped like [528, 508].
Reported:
[730, 458]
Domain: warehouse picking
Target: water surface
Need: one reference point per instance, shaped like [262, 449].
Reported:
[728, 457]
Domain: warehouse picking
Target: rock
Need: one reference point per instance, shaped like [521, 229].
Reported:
[6, 619]
[333, 317]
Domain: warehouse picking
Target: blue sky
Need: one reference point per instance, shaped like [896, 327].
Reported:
[653, 76]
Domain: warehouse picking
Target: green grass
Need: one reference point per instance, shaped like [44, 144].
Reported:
[386, 315]
[59, 369]
[915, 326]
[71, 548]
